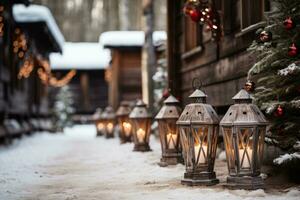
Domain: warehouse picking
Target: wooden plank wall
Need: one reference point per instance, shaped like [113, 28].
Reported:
[126, 80]
[222, 67]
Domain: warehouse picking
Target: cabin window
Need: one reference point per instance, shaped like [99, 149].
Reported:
[193, 34]
[250, 12]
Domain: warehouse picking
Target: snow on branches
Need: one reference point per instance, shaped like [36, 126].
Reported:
[286, 158]
[290, 70]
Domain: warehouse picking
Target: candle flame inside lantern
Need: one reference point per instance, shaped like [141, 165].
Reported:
[140, 135]
[244, 158]
[171, 140]
[110, 127]
[201, 153]
[100, 126]
[127, 128]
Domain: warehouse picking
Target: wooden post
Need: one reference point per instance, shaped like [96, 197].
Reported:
[173, 50]
[114, 85]
[8, 51]
[148, 53]
[84, 82]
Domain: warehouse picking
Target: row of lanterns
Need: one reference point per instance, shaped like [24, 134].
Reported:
[134, 124]
[191, 136]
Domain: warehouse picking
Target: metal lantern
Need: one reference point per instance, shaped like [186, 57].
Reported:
[169, 133]
[244, 128]
[108, 118]
[198, 126]
[99, 122]
[125, 126]
[141, 124]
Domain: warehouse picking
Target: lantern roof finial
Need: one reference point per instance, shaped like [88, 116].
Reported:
[171, 100]
[243, 96]
[198, 94]
[124, 109]
[140, 111]
[140, 103]
[243, 112]
[170, 109]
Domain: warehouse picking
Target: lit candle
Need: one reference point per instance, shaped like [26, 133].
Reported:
[127, 128]
[202, 152]
[100, 126]
[140, 135]
[246, 162]
[110, 127]
[171, 140]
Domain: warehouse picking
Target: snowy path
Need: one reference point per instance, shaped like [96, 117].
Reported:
[76, 165]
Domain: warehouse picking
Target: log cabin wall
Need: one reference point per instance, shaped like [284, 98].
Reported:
[22, 100]
[125, 82]
[223, 66]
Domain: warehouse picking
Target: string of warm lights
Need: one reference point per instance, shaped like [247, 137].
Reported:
[26, 68]
[47, 77]
[203, 12]
[65, 80]
[1, 20]
[44, 64]
[44, 72]
[19, 43]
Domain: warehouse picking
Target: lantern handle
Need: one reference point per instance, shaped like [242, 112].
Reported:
[197, 84]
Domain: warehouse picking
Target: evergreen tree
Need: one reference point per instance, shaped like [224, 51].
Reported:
[63, 109]
[160, 79]
[277, 71]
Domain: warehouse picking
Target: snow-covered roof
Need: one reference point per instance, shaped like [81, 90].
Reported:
[128, 38]
[85, 56]
[37, 13]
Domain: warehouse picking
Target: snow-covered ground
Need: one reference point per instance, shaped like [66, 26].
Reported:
[77, 165]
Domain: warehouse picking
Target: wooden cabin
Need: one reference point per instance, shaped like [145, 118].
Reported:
[222, 67]
[29, 33]
[88, 87]
[124, 72]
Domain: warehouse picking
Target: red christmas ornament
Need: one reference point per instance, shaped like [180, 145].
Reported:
[195, 15]
[293, 50]
[249, 86]
[201, 11]
[279, 111]
[288, 23]
[265, 36]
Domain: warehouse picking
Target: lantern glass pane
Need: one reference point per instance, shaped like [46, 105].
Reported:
[125, 126]
[109, 127]
[100, 126]
[213, 149]
[187, 144]
[229, 147]
[162, 129]
[245, 148]
[201, 144]
[141, 129]
[261, 141]
[169, 134]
